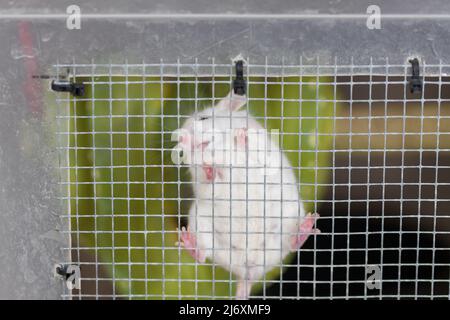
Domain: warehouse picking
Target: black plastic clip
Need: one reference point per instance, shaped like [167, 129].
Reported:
[70, 273]
[239, 84]
[76, 89]
[60, 270]
[415, 81]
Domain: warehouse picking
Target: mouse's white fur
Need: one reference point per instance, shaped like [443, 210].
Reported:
[243, 220]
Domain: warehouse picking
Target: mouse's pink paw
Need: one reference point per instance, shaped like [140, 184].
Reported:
[241, 137]
[212, 173]
[189, 242]
[306, 228]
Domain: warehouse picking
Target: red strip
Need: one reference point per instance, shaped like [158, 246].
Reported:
[32, 88]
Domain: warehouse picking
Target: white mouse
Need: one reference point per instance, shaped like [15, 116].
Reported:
[247, 215]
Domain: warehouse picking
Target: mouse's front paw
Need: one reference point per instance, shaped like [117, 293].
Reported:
[211, 173]
[241, 137]
[189, 242]
[306, 228]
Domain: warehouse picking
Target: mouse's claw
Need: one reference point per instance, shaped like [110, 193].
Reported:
[306, 228]
[189, 242]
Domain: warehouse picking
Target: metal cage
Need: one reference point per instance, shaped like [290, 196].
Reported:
[372, 157]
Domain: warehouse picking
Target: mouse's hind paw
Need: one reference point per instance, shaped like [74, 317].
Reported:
[189, 242]
[306, 228]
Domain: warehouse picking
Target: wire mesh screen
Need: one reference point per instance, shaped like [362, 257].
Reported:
[357, 147]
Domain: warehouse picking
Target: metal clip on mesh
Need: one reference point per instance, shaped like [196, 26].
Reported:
[76, 89]
[415, 82]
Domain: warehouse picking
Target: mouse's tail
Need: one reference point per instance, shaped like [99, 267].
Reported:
[243, 289]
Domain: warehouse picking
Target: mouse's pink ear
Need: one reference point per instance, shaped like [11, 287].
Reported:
[232, 101]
